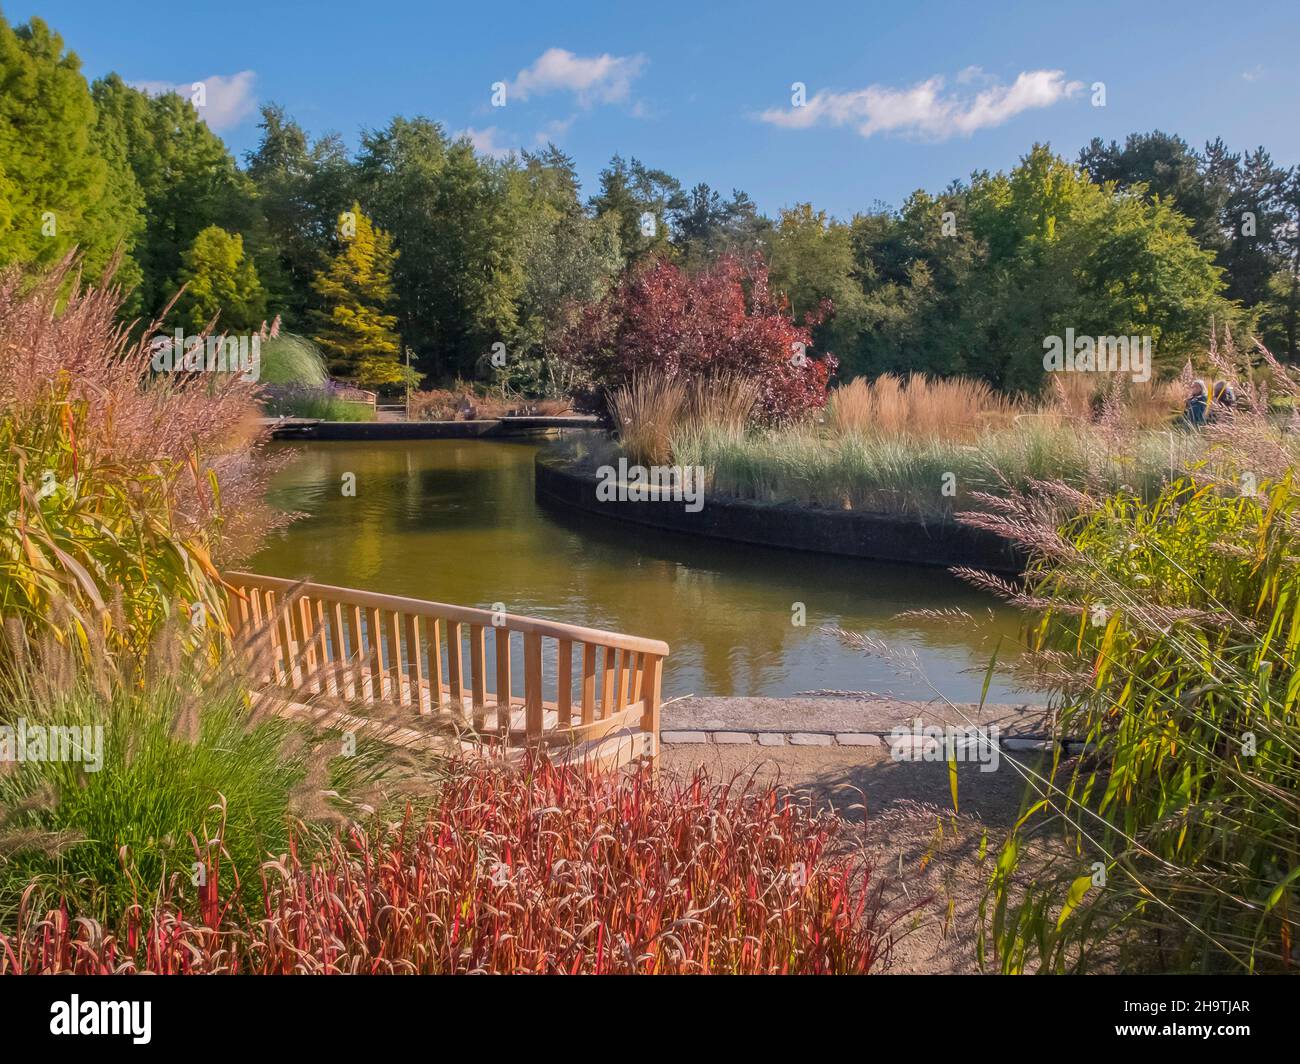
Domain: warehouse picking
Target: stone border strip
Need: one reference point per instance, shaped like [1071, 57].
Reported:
[1012, 744]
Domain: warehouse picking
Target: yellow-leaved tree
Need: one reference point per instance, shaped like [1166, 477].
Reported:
[354, 330]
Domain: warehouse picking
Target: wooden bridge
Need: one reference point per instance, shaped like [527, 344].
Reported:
[584, 693]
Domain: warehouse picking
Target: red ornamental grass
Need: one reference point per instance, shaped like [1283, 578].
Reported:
[530, 869]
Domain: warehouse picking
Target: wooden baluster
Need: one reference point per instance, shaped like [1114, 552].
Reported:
[455, 674]
[415, 662]
[654, 682]
[564, 683]
[357, 653]
[588, 683]
[374, 628]
[286, 612]
[607, 692]
[306, 641]
[324, 674]
[434, 626]
[280, 657]
[638, 674]
[261, 644]
[237, 615]
[338, 650]
[624, 679]
[477, 674]
[396, 677]
[503, 680]
[533, 686]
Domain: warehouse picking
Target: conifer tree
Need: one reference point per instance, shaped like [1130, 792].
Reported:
[354, 330]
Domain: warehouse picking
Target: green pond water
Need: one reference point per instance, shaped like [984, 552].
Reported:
[455, 521]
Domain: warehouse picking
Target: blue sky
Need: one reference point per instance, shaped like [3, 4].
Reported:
[898, 96]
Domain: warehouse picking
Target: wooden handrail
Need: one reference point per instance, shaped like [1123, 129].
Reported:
[363, 647]
[464, 614]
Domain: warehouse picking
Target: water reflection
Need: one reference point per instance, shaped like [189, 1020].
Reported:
[455, 521]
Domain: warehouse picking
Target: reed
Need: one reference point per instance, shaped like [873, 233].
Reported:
[1164, 627]
[645, 412]
[920, 407]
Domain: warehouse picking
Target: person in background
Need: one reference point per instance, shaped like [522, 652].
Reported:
[1224, 403]
[1194, 408]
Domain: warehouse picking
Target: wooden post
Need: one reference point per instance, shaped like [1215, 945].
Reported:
[653, 685]
[533, 686]
[564, 683]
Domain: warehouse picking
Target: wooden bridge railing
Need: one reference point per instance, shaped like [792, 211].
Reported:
[366, 648]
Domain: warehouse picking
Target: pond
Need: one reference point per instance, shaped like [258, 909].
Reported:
[455, 521]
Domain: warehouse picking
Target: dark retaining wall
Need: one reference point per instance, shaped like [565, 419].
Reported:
[881, 537]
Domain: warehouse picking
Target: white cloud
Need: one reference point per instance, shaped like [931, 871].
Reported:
[486, 141]
[925, 110]
[223, 101]
[1254, 73]
[553, 131]
[593, 79]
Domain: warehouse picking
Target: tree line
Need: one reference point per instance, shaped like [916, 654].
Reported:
[416, 242]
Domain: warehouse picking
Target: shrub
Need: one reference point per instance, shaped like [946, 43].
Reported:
[535, 868]
[725, 320]
[465, 402]
[182, 761]
[440, 404]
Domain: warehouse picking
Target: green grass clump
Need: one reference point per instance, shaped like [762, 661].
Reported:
[179, 757]
[318, 403]
[923, 476]
[292, 359]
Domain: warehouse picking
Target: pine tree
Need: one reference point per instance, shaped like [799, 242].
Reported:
[219, 279]
[354, 330]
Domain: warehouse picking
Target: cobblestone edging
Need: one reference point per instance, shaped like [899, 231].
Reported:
[1011, 744]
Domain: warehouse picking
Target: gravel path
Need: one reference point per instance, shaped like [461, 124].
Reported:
[923, 848]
